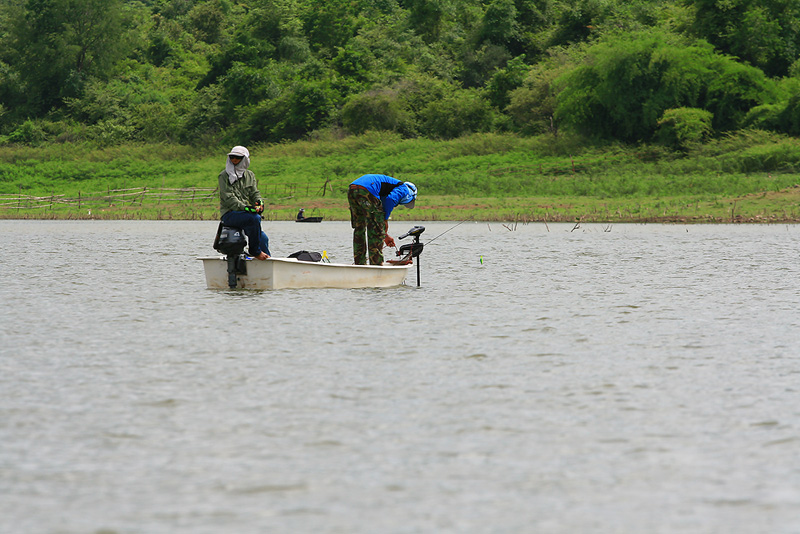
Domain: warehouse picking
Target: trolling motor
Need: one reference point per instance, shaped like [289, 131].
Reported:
[231, 242]
[412, 250]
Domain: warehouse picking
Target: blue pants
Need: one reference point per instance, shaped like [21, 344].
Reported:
[250, 223]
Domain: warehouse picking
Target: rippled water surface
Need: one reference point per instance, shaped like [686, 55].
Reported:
[604, 379]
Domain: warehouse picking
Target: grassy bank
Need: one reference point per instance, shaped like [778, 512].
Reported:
[747, 178]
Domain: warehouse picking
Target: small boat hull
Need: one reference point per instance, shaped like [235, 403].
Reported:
[289, 273]
[309, 220]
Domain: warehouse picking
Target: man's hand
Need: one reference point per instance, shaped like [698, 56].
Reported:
[389, 241]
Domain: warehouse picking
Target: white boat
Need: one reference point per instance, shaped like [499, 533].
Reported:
[289, 273]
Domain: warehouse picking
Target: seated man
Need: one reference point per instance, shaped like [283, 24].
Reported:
[240, 201]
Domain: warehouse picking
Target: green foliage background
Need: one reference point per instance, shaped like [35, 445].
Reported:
[214, 72]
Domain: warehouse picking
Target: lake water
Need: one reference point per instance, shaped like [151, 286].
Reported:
[605, 379]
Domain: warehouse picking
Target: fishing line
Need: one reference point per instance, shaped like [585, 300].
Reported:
[415, 249]
[452, 227]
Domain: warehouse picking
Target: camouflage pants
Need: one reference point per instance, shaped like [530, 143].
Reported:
[366, 217]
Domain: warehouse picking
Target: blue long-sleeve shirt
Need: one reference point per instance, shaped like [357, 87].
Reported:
[374, 182]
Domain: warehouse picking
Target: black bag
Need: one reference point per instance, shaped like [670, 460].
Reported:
[304, 255]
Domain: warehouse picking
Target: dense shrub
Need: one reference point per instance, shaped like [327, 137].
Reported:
[782, 116]
[790, 117]
[506, 80]
[456, 115]
[533, 105]
[683, 127]
[627, 81]
[28, 133]
[377, 110]
[764, 117]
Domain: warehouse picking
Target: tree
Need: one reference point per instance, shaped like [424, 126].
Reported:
[764, 33]
[505, 80]
[532, 106]
[330, 24]
[627, 81]
[381, 109]
[307, 101]
[782, 116]
[427, 17]
[460, 113]
[499, 23]
[205, 20]
[59, 44]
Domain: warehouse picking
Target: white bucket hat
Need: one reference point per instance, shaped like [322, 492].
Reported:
[237, 171]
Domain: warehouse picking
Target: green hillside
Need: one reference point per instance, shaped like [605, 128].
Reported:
[748, 177]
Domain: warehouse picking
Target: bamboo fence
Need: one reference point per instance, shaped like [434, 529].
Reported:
[136, 196]
[145, 197]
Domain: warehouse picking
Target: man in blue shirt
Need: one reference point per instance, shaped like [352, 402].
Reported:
[372, 198]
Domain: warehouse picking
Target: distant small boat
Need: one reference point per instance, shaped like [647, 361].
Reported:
[301, 217]
[289, 273]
